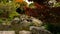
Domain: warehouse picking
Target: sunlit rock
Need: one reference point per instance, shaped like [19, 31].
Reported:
[7, 32]
[24, 32]
[27, 20]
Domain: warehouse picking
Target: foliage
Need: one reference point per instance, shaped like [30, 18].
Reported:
[57, 4]
[52, 28]
[42, 12]
[1, 20]
[7, 11]
[7, 8]
[39, 1]
[20, 1]
[31, 5]
[1, 11]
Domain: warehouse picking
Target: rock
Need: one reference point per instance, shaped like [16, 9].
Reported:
[36, 21]
[7, 32]
[39, 30]
[15, 20]
[24, 32]
[25, 22]
[29, 20]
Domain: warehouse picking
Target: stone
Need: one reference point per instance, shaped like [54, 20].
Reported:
[15, 20]
[24, 32]
[24, 19]
[7, 32]
[39, 30]
[36, 22]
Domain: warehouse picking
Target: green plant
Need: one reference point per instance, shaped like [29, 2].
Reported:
[1, 11]
[57, 4]
[1, 20]
[52, 28]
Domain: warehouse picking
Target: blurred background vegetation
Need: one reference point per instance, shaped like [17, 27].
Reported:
[8, 11]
